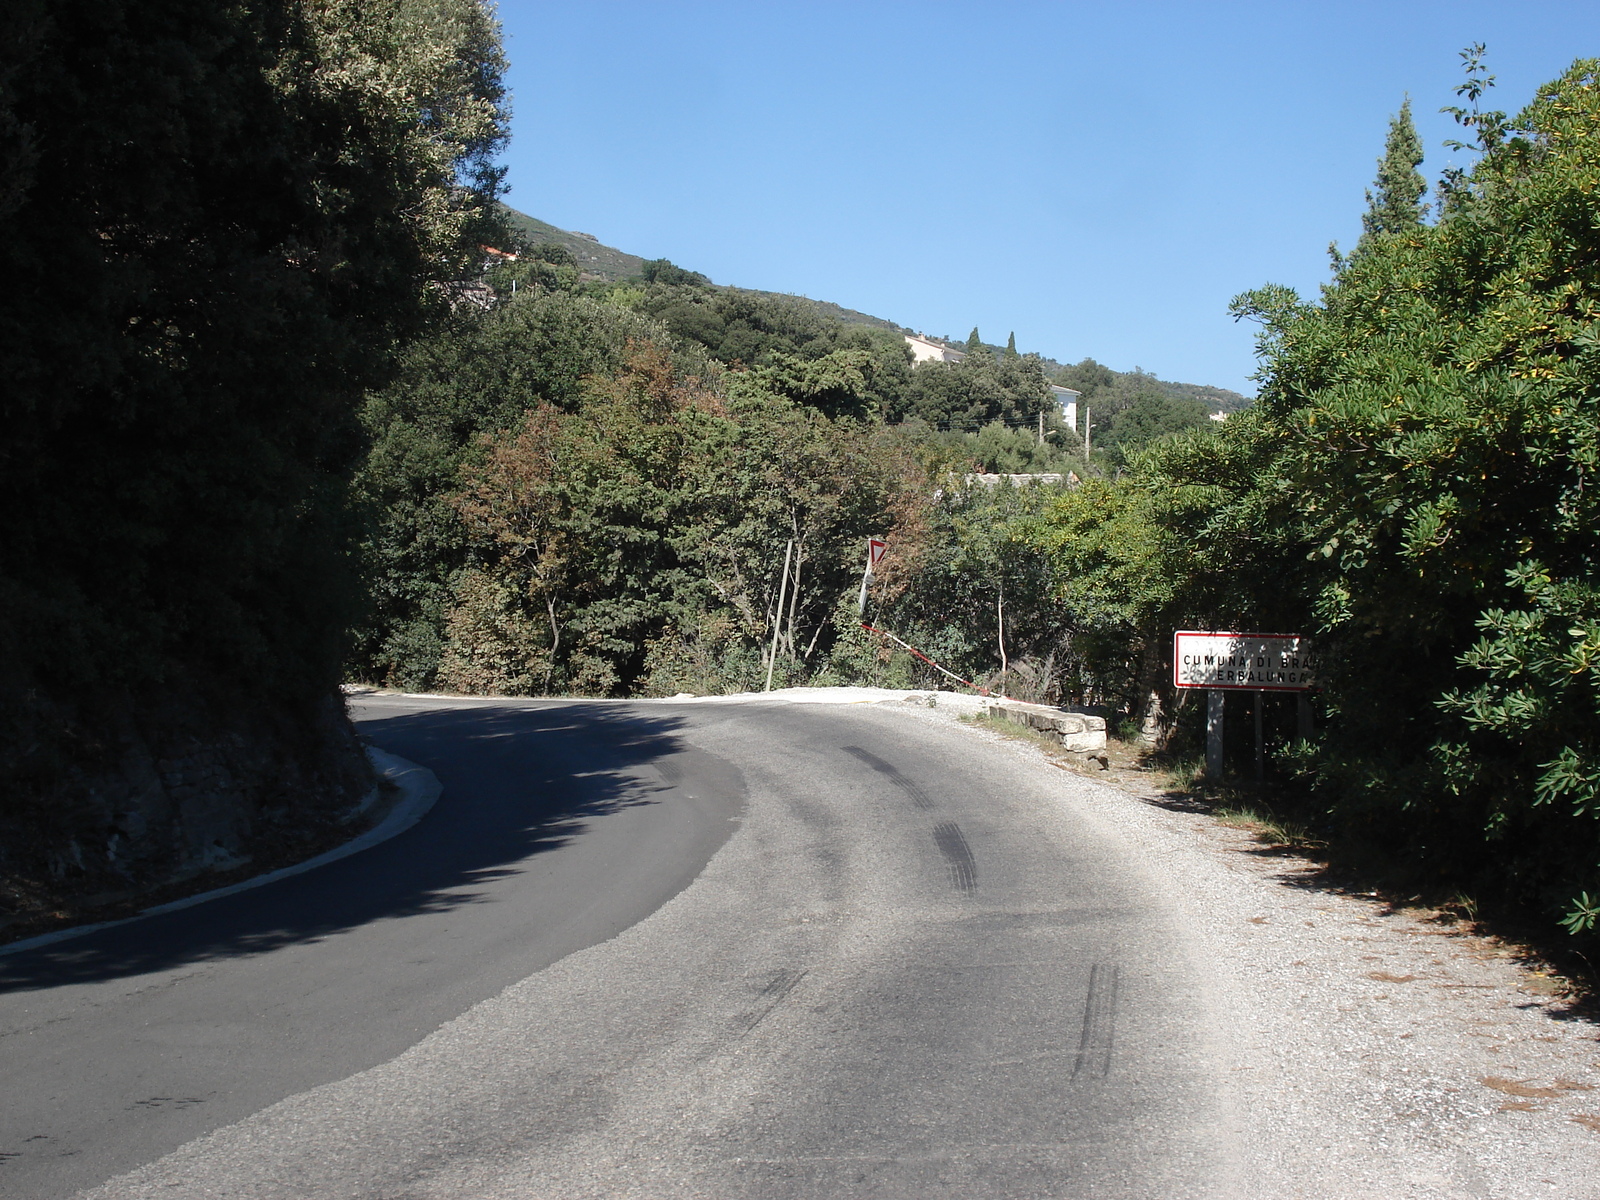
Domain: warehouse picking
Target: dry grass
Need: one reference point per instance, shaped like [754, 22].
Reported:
[1011, 729]
[1267, 827]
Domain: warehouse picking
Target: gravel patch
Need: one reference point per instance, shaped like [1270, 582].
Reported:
[1376, 1054]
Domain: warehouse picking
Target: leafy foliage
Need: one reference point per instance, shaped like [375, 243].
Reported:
[983, 388]
[1130, 409]
[562, 502]
[1419, 494]
[220, 223]
[475, 378]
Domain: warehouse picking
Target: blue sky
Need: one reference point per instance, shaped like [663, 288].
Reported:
[1100, 178]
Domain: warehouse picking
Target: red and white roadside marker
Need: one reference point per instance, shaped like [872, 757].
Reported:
[876, 548]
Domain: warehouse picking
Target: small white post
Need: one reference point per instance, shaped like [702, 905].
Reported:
[794, 597]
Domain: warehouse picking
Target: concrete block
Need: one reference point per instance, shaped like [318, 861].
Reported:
[1078, 732]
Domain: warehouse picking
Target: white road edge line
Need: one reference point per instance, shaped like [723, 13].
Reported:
[418, 785]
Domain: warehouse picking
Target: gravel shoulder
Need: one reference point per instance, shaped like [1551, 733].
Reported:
[1375, 1053]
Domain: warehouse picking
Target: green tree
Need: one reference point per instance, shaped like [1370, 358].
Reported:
[1007, 449]
[1395, 205]
[476, 376]
[571, 516]
[1086, 377]
[963, 564]
[669, 274]
[1149, 415]
[752, 330]
[976, 391]
[1425, 447]
[1489, 127]
[636, 541]
[222, 220]
[226, 221]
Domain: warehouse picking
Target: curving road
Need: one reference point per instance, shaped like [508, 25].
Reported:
[699, 949]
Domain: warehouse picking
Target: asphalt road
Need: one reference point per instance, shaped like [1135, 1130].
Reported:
[646, 950]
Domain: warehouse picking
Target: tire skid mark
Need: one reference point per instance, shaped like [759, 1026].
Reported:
[1099, 1023]
[774, 992]
[952, 844]
[892, 773]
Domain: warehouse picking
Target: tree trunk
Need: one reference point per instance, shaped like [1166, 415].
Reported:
[777, 615]
[794, 595]
[555, 641]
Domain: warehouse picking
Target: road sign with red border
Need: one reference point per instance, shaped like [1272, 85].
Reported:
[875, 551]
[1257, 662]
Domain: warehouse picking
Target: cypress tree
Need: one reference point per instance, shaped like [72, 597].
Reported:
[1395, 203]
[1011, 346]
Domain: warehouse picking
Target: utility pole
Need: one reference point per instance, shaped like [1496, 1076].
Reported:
[1041, 428]
[1085, 433]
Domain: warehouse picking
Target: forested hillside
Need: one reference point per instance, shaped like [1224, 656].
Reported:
[590, 256]
[1163, 406]
[592, 487]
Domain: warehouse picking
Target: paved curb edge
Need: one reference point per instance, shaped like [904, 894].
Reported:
[419, 789]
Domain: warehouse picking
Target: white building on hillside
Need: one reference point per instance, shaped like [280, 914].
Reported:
[1068, 400]
[926, 349]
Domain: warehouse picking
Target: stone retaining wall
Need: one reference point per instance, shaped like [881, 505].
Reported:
[1076, 731]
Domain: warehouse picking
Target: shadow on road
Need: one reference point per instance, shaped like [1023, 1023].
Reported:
[519, 780]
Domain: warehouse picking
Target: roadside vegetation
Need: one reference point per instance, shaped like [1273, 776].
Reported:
[289, 424]
[592, 486]
[221, 221]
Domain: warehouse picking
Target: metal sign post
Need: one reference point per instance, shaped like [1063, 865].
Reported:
[1222, 662]
[1215, 711]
